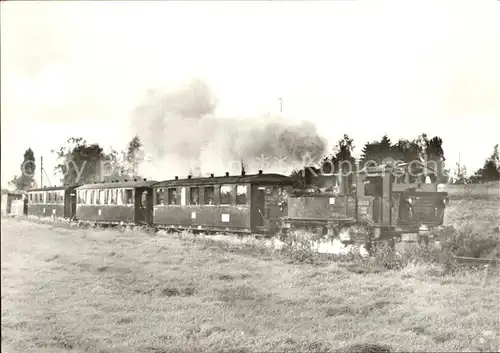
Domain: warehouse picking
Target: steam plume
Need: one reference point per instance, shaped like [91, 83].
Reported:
[180, 132]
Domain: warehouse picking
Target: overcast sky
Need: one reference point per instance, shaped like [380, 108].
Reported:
[359, 67]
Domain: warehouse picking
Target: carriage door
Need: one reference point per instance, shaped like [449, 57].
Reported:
[143, 205]
[259, 207]
[70, 203]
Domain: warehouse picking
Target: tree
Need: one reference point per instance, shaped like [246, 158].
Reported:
[490, 170]
[298, 178]
[460, 175]
[134, 154]
[27, 178]
[377, 152]
[341, 159]
[80, 162]
[433, 156]
[406, 151]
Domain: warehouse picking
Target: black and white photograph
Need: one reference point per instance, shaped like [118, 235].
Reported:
[259, 176]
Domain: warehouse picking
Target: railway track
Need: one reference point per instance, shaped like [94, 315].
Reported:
[476, 260]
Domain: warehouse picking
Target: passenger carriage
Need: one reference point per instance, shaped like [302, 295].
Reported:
[13, 203]
[237, 203]
[116, 202]
[55, 201]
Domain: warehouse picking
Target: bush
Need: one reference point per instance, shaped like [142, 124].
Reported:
[298, 246]
[386, 257]
[471, 241]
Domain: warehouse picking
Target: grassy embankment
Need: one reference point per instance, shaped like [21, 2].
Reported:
[82, 290]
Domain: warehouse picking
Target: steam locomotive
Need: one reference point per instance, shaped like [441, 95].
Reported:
[375, 204]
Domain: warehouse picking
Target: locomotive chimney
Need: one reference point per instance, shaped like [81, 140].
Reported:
[227, 173]
[144, 179]
[211, 175]
[260, 172]
[176, 177]
[189, 176]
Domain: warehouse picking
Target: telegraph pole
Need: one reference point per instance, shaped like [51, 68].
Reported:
[281, 105]
[41, 172]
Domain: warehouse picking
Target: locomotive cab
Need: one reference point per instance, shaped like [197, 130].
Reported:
[402, 199]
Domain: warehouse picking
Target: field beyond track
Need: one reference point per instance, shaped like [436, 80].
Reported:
[75, 290]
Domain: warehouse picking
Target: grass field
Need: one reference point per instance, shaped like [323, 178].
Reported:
[67, 290]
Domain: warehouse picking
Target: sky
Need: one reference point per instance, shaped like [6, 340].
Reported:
[365, 68]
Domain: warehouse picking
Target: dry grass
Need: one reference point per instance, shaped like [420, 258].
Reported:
[475, 226]
[104, 291]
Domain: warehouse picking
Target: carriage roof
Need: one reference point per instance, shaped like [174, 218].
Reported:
[52, 188]
[231, 179]
[132, 184]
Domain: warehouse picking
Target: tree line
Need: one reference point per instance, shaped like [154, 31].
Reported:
[79, 161]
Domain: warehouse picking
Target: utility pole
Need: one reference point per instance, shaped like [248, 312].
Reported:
[281, 105]
[41, 172]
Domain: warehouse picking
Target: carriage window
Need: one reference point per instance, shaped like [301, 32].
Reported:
[97, 197]
[194, 196]
[183, 196]
[119, 196]
[241, 195]
[102, 197]
[160, 198]
[49, 194]
[36, 197]
[172, 196]
[42, 198]
[112, 197]
[129, 196]
[209, 195]
[92, 196]
[81, 197]
[225, 195]
[31, 197]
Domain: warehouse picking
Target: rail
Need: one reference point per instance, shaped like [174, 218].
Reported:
[476, 260]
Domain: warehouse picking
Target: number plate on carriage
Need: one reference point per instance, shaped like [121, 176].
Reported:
[363, 203]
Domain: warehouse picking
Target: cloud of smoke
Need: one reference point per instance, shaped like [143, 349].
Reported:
[182, 136]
